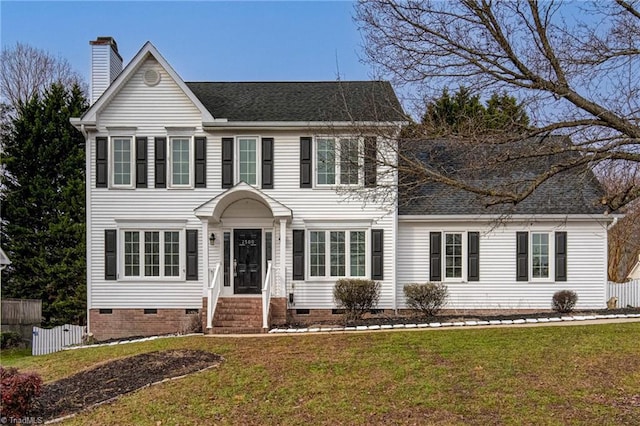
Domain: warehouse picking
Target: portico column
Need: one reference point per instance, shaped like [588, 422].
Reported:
[283, 255]
[205, 256]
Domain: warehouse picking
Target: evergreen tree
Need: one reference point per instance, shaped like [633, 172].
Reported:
[43, 205]
[463, 114]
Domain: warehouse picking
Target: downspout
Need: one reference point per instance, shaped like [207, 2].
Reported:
[87, 212]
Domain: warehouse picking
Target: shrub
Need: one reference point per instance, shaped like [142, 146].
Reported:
[563, 301]
[10, 339]
[427, 298]
[18, 392]
[356, 296]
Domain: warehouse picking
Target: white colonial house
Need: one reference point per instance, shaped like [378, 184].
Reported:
[224, 203]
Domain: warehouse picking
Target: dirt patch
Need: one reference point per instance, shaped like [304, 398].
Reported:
[108, 381]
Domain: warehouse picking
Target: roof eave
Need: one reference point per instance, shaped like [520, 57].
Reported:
[511, 217]
[217, 125]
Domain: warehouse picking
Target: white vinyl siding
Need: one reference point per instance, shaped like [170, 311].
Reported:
[498, 287]
[150, 110]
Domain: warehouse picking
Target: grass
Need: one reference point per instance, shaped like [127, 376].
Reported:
[541, 375]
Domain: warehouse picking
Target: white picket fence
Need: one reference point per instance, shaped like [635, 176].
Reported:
[628, 293]
[48, 340]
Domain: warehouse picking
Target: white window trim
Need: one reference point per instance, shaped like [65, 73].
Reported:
[337, 165]
[170, 183]
[465, 257]
[236, 159]
[327, 250]
[552, 257]
[161, 277]
[132, 161]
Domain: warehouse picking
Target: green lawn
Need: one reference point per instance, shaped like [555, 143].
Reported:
[541, 375]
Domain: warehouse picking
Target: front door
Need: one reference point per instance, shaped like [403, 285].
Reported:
[247, 261]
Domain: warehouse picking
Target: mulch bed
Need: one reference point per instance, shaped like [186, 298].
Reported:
[108, 381]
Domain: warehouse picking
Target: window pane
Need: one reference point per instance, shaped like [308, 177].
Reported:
[540, 255]
[131, 254]
[453, 255]
[180, 161]
[171, 254]
[338, 258]
[326, 161]
[122, 161]
[357, 253]
[248, 159]
[152, 254]
[268, 242]
[349, 161]
[317, 253]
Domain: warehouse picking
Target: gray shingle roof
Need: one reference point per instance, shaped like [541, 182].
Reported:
[576, 191]
[300, 101]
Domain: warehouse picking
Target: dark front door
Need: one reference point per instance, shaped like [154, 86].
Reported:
[247, 258]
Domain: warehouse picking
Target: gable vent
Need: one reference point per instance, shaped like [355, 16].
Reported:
[151, 77]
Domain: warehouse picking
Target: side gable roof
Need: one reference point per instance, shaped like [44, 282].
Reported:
[327, 101]
[575, 191]
[148, 50]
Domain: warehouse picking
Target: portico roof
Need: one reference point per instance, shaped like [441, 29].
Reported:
[215, 207]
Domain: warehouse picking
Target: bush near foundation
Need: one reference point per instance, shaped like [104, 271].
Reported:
[18, 391]
[564, 301]
[426, 298]
[10, 339]
[356, 296]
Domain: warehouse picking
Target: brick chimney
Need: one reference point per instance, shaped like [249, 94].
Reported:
[106, 65]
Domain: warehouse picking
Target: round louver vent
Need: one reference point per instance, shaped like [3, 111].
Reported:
[151, 77]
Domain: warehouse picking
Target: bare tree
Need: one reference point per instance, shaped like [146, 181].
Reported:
[26, 71]
[575, 66]
[624, 235]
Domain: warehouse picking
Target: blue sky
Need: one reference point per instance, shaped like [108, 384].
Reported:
[202, 40]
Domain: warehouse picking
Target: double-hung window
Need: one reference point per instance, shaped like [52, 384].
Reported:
[337, 253]
[453, 258]
[248, 160]
[123, 162]
[151, 253]
[181, 164]
[338, 161]
[539, 255]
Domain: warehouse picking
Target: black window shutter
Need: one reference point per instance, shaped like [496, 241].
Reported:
[522, 256]
[267, 163]
[561, 256]
[200, 162]
[305, 162]
[110, 254]
[473, 256]
[298, 254]
[160, 169]
[435, 256]
[102, 155]
[192, 254]
[227, 162]
[370, 161]
[377, 254]
[141, 162]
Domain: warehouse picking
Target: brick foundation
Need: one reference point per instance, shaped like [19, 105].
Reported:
[123, 323]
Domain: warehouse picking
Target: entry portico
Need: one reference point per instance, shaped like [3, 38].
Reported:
[239, 244]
